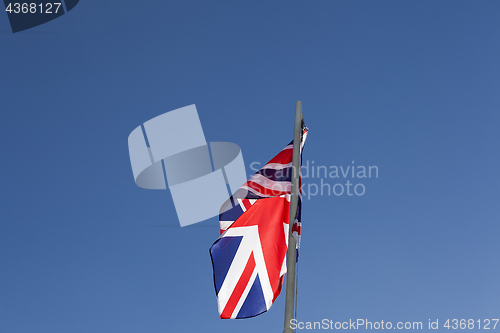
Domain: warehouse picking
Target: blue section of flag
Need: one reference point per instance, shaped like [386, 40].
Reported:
[280, 175]
[298, 217]
[254, 304]
[223, 259]
[231, 214]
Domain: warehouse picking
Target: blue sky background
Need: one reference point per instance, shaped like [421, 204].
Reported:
[409, 86]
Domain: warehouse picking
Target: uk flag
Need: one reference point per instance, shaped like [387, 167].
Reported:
[249, 257]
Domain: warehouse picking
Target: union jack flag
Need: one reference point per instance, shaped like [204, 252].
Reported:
[249, 257]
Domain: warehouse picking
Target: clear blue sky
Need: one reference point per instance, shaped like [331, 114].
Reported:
[411, 87]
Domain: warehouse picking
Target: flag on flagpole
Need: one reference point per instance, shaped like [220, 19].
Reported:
[249, 257]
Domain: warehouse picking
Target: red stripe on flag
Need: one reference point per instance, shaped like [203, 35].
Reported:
[283, 157]
[264, 190]
[239, 289]
[246, 203]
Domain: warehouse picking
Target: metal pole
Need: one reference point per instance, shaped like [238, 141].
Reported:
[290, 267]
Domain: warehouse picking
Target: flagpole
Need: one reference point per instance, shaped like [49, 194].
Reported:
[291, 255]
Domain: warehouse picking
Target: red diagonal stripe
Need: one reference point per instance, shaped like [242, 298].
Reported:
[283, 157]
[239, 288]
[246, 203]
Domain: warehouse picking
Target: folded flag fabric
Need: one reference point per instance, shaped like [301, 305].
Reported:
[249, 257]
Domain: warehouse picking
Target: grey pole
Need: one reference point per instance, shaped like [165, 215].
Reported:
[290, 267]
